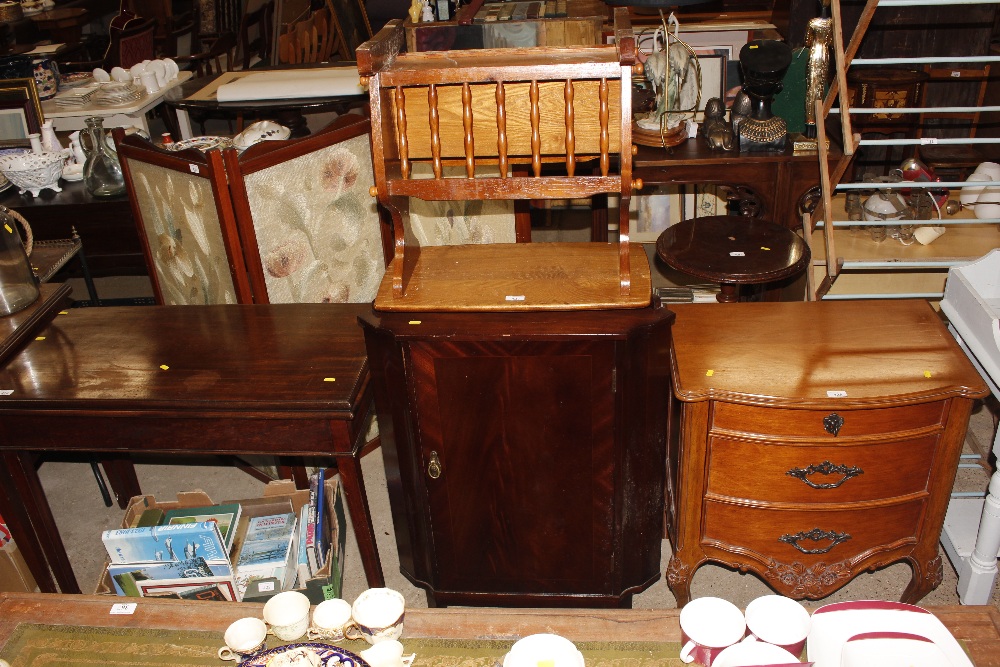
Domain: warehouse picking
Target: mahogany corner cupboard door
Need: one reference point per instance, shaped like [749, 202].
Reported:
[524, 452]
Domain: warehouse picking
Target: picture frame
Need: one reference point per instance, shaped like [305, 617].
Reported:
[351, 20]
[713, 80]
[20, 111]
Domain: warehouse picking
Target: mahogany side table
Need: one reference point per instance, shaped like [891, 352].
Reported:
[733, 250]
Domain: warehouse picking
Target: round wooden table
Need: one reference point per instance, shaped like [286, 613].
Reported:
[733, 250]
[63, 24]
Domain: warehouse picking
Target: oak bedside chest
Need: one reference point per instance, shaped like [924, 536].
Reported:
[811, 441]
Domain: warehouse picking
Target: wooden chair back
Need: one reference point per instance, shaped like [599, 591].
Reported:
[311, 231]
[298, 43]
[133, 44]
[509, 109]
[181, 205]
[325, 33]
[963, 87]
[256, 35]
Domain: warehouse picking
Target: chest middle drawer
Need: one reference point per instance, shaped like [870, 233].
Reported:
[819, 473]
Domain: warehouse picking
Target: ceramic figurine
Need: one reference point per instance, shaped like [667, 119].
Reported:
[739, 112]
[414, 12]
[427, 14]
[50, 142]
[79, 157]
[717, 132]
[763, 63]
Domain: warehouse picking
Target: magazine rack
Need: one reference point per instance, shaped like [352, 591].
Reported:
[502, 108]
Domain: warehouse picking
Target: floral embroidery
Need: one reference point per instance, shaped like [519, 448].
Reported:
[285, 260]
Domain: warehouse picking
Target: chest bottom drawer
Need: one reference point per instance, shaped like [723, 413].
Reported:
[810, 536]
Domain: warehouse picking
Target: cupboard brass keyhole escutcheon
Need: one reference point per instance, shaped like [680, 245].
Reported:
[832, 423]
[434, 467]
[825, 468]
[815, 535]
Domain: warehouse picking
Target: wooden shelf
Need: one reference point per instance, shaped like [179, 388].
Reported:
[965, 242]
[515, 277]
[959, 244]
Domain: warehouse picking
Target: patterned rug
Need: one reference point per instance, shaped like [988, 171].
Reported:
[34, 645]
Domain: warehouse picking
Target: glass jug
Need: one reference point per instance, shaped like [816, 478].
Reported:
[102, 172]
[18, 285]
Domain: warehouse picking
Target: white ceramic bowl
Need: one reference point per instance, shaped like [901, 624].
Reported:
[990, 169]
[970, 193]
[33, 172]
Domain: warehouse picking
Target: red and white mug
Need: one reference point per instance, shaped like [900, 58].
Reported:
[709, 625]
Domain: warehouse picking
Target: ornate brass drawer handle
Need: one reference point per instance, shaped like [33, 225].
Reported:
[434, 467]
[825, 468]
[832, 423]
[815, 535]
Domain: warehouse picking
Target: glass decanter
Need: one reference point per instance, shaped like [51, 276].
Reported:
[102, 172]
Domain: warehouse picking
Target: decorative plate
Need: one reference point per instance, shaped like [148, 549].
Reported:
[74, 79]
[328, 655]
[202, 143]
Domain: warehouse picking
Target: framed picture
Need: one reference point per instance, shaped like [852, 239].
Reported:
[20, 111]
[713, 80]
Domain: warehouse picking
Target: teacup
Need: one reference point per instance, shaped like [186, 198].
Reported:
[244, 638]
[553, 649]
[385, 654]
[329, 620]
[378, 616]
[287, 615]
[751, 652]
[709, 625]
[778, 620]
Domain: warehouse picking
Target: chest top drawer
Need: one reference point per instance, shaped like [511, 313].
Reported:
[790, 422]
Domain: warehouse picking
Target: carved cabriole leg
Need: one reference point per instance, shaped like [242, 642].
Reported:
[926, 577]
[679, 576]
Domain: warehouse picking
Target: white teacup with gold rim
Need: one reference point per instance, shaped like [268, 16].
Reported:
[330, 619]
[378, 616]
[287, 615]
[386, 654]
[244, 638]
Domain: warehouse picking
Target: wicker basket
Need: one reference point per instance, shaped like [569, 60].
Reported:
[11, 11]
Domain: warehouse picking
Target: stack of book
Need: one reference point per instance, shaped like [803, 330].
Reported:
[269, 551]
[184, 560]
[218, 551]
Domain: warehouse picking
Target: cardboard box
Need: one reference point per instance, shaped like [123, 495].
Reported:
[14, 573]
[279, 496]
